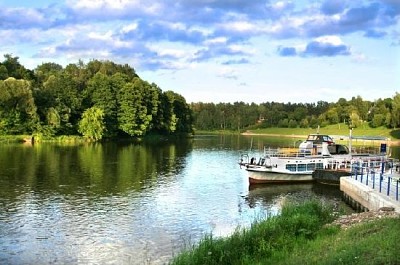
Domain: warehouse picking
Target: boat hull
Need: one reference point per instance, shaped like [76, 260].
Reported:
[257, 177]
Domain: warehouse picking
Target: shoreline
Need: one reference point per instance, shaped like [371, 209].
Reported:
[390, 142]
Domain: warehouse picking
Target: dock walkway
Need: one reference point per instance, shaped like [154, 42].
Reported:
[373, 191]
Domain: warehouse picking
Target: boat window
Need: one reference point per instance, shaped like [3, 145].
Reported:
[311, 166]
[312, 137]
[319, 166]
[291, 167]
[301, 167]
[342, 149]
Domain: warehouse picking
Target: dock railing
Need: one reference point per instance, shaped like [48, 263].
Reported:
[384, 179]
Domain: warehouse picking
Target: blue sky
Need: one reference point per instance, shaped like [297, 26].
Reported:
[220, 50]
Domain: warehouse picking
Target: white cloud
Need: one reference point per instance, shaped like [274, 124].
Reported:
[334, 40]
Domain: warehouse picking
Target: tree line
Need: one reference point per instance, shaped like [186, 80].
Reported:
[100, 99]
[240, 115]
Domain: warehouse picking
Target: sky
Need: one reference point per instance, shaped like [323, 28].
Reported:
[220, 50]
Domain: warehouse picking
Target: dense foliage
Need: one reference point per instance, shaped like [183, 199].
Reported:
[240, 115]
[98, 99]
[103, 99]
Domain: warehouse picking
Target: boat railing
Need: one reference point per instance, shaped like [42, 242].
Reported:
[366, 162]
[288, 152]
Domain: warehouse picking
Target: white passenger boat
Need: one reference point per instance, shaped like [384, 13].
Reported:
[284, 165]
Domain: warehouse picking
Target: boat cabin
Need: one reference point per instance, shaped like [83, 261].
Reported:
[338, 149]
[319, 139]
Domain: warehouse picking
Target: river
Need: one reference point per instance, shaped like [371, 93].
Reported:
[125, 203]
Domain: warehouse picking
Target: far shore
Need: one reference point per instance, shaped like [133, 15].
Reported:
[389, 141]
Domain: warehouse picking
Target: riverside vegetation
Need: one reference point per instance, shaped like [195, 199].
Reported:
[102, 99]
[300, 234]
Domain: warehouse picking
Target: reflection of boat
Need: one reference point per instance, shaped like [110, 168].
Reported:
[271, 195]
[316, 152]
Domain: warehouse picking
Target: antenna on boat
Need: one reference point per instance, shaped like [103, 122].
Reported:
[350, 137]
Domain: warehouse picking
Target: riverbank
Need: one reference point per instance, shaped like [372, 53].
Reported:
[305, 234]
[76, 139]
[389, 141]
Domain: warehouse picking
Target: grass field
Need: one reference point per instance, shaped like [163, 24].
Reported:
[338, 129]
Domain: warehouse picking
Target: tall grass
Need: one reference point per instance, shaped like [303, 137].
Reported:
[299, 236]
[296, 223]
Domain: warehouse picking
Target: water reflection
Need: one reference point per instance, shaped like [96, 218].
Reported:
[123, 203]
[272, 196]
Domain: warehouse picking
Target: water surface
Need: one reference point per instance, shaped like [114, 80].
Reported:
[124, 203]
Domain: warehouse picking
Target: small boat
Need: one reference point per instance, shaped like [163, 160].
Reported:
[318, 151]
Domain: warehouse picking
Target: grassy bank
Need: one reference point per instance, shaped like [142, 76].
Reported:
[299, 235]
[338, 129]
[40, 138]
[76, 139]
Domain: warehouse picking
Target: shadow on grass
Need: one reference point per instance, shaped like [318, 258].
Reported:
[395, 133]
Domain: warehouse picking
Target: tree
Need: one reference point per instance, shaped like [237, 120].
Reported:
[61, 92]
[180, 115]
[377, 120]
[133, 115]
[15, 69]
[45, 70]
[17, 106]
[395, 117]
[92, 124]
[332, 115]
[102, 92]
[3, 72]
[354, 120]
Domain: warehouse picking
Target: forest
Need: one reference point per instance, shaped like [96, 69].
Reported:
[102, 99]
[354, 112]
[98, 100]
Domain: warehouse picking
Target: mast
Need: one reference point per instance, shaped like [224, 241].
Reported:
[350, 136]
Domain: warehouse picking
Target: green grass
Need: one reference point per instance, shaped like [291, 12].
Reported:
[296, 223]
[338, 129]
[299, 236]
[13, 138]
[375, 242]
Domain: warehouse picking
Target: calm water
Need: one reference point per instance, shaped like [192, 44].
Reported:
[120, 203]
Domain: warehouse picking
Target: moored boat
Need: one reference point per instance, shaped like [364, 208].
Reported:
[316, 152]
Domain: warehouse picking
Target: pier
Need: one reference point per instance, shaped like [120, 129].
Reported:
[371, 191]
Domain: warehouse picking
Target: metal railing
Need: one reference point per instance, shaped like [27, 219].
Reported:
[384, 179]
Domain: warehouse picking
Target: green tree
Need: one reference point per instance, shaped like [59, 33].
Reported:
[15, 69]
[395, 117]
[62, 93]
[378, 120]
[101, 92]
[133, 116]
[3, 72]
[17, 106]
[92, 124]
[181, 115]
[332, 115]
[45, 70]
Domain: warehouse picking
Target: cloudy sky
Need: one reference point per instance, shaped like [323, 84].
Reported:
[220, 50]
